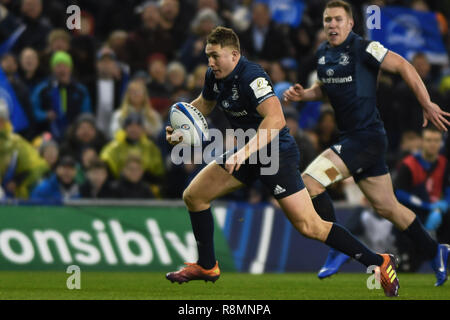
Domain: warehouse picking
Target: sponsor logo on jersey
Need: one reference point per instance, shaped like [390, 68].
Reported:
[330, 72]
[377, 50]
[278, 189]
[338, 148]
[337, 80]
[321, 60]
[237, 113]
[215, 88]
[260, 87]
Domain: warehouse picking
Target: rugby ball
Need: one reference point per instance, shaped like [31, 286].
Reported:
[187, 119]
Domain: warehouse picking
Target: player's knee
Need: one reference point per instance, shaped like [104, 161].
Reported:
[190, 199]
[386, 207]
[309, 229]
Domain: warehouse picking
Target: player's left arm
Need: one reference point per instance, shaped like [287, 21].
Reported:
[431, 111]
[273, 121]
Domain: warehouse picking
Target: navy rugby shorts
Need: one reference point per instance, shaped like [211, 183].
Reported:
[284, 182]
[363, 153]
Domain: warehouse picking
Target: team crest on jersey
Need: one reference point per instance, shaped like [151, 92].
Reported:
[235, 94]
[321, 60]
[344, 59]
[215, 88]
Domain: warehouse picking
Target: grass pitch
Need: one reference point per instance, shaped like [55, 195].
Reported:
[231, 286]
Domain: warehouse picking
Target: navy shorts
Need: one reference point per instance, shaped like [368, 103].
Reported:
[363, 153]
[286, 181]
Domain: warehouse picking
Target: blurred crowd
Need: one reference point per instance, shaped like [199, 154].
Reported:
[97, 98]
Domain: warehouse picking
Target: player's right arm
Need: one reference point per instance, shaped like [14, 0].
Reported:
[203, 105]
[298, 93]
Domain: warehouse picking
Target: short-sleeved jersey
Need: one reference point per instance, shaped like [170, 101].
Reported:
[348, 75]
[240, 93]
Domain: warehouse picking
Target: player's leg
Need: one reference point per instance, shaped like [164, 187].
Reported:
[210, 183]
[300, 211]
[326, 169]
[203, 189]
[380, 193]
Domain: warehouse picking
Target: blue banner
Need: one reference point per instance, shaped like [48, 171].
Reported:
[286, 11]
[407, 32]
[17, 116]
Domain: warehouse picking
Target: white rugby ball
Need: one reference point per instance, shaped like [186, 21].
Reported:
[190, 122]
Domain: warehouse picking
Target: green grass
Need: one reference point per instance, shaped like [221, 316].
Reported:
[231, 286]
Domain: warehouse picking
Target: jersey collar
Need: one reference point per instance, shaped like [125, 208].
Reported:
[349, 38]
[236, 69]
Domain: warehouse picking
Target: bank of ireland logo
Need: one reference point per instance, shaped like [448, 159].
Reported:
[330, 72]
[344, 59]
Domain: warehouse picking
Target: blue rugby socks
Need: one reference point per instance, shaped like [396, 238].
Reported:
[203, 228]
[342, 240]
[324, 207]
[424, 243]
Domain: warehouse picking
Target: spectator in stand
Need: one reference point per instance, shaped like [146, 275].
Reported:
[422, 184]
[60, 185]
[149, 39]
[176, 78]
[307, 151]
[106, 88]
[192, 52]
[117, 41]
[84, 46]
[171, 21]
[36, 26]
[136, 100]
[257, 42]
[20, 164]
[133, 140]
[57, 40]
[158, 88]
[97, 185]
[326, 129]
[57, 102]
[49, 151]
[82, 134]
[131, 184]
[30, 69]
[9, 65]
[410, 110]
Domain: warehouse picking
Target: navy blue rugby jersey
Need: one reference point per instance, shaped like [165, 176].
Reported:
[240, 93]
[348, 75]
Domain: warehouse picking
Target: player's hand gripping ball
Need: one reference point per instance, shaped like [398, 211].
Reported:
[188, 121]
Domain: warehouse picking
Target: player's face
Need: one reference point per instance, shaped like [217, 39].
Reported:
[431, 143]
[337, 25]
[221, 60]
